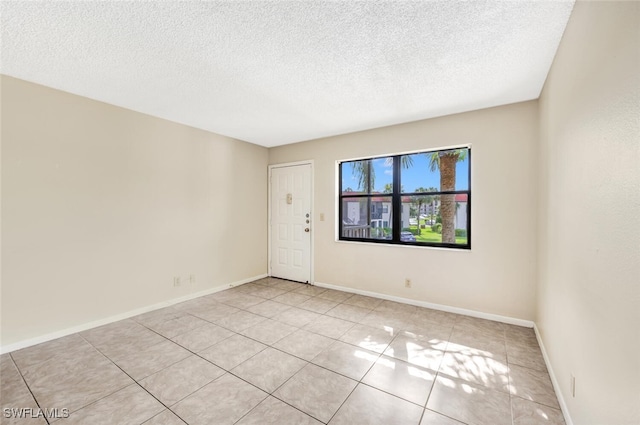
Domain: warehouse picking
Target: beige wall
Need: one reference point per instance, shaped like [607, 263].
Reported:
[589, 287]
[102, 207]
[498, 275]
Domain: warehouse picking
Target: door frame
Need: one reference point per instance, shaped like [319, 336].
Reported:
[311, 213]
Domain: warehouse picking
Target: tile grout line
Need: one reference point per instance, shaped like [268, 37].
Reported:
[273, 392]
[435, 379]
[198, 355]
[506, 353]
[164, 368]
[136, 382]
[230, 370]
[512, 396]
[310, 362]
[28, 387]
[359, 382]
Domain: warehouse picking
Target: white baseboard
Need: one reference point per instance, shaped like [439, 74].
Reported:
[105, 321]
[554, 380]
[441, 307]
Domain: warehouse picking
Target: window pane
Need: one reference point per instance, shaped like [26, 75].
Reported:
[435, 218]
[381, 219]
[450, 171]
[354, 176]
[382, 175]
[354, 211]
[367, 218]
[376, 173]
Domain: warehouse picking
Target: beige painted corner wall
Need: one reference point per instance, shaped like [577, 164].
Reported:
[589, 246]
[498, 275]
[103, 206]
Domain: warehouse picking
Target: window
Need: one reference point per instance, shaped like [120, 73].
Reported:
[419, 199]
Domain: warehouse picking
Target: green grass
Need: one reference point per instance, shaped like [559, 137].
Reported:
[426, 235]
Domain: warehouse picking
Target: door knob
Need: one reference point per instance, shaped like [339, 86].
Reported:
[306, 229]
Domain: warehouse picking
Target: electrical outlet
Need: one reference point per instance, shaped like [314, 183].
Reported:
[573, 386]
[192, 279]
[176, 281]
[407, 283]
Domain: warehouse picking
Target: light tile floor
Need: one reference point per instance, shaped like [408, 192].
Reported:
[279, 352]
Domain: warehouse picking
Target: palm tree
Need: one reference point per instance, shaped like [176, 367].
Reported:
[388, 188]
[360, 170]
[365, 173]
[431, 199]
[419, 200]
[446, 162]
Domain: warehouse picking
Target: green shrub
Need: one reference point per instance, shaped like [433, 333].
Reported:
[437, 228]
[461, 233]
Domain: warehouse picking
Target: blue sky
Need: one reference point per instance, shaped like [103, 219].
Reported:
[412, 178]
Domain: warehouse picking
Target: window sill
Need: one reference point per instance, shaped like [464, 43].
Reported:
[389, 245]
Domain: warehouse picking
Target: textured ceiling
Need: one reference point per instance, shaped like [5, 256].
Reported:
[278, 72]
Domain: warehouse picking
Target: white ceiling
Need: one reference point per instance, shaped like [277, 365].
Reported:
[278, 72]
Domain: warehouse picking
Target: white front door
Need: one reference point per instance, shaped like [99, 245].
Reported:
[290, 222]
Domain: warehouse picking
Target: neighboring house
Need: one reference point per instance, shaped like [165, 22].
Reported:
[381, 214]
[461, 211]
[430, 208]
